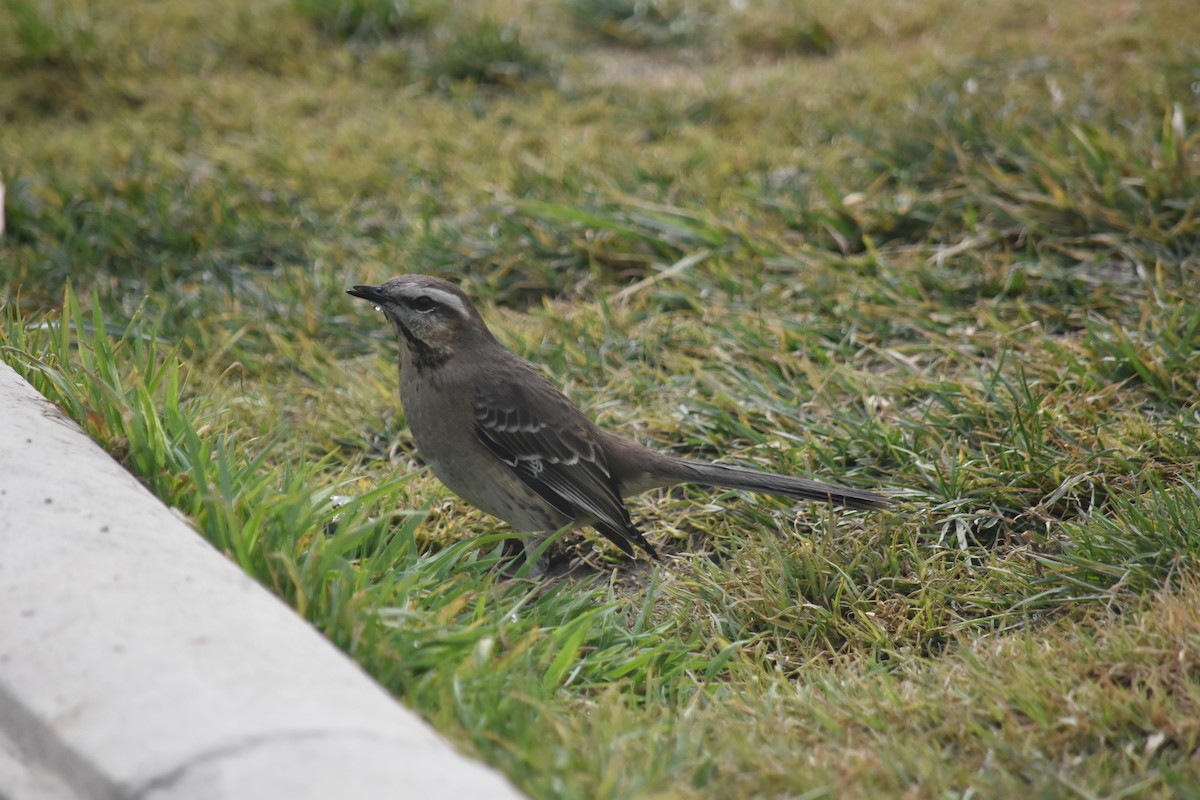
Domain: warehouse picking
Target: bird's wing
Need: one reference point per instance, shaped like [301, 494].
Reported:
[553, 449]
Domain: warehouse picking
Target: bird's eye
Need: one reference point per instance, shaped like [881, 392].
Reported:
[424, 303]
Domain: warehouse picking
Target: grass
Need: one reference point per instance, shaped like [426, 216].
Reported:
[368, 20]
[945, 251]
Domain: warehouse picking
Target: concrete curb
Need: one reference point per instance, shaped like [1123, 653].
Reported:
[137, 662]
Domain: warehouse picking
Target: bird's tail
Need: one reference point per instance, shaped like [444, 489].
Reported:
[725, 477]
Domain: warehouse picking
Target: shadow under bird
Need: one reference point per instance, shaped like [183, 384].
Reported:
[500, 436]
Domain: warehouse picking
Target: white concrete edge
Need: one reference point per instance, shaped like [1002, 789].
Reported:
[138, 662]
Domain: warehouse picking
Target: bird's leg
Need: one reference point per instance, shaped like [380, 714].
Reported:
[532, 562]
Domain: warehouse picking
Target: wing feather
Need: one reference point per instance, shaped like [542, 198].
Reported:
[555, 452]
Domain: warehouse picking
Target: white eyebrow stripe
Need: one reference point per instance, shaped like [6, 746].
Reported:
[440, 296]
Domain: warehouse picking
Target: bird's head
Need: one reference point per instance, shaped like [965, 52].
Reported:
[433, 318]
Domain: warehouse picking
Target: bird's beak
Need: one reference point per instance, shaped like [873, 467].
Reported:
[372, 293]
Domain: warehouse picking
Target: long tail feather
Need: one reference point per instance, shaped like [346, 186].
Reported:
[725, 477]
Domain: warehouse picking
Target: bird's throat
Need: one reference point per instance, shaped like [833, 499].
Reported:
[420, 354]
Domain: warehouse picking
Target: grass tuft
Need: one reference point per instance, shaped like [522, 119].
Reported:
[369, 20]
[656, 23]
[486, 54]
[48, 35]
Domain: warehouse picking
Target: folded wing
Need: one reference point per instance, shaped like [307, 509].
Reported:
[555, 452]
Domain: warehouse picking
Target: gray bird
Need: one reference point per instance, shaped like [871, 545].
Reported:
[504, 439]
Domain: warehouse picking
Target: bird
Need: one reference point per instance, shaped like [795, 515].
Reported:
[503, 438]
